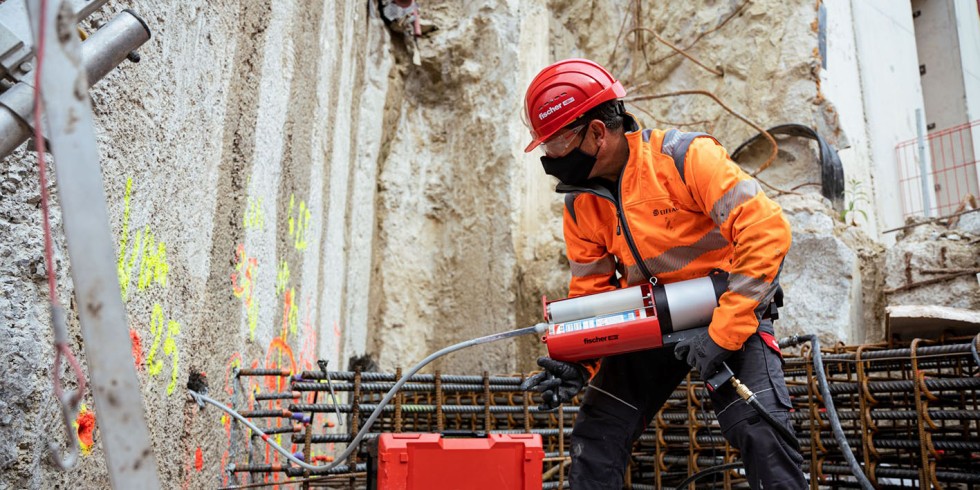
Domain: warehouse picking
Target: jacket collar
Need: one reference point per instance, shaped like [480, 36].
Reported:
[633, 132]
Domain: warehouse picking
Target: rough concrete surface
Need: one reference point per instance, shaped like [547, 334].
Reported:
[285, 185]
[930, 265]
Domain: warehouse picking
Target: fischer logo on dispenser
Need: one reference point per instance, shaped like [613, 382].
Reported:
[596, 339]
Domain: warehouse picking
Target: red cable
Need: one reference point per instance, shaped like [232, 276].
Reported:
[60, 348]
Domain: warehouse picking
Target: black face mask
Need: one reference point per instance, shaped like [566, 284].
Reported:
[571, 169]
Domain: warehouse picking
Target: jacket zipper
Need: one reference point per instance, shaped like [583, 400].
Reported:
[621, 218]
[626, 228]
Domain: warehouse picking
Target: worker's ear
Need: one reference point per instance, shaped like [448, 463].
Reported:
[598, 130]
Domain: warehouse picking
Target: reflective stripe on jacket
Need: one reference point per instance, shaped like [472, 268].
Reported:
[682, 220]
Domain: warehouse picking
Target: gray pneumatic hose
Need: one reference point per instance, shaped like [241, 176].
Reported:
[829, 403]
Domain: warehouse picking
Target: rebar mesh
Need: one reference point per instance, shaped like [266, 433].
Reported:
[910, 412]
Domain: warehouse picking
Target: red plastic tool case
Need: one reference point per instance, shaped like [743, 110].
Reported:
[432, 462]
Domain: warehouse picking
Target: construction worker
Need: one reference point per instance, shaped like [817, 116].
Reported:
[652, 205]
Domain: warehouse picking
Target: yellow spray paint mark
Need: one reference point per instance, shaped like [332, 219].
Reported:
[144, 257]
[122, 267]
[154, 366]
[144, 248]
[153, 266]
[299, 224]
[170, 349]
[282, 277]
[254, 218]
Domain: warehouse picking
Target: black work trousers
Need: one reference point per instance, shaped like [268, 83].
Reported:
[629, 389]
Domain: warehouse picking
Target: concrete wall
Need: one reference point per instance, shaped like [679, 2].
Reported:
[938, 47]
[968, 28]
[236, 157]
[840, 83]
[885, 41]
[946, 103]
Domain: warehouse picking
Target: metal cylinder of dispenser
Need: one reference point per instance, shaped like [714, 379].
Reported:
[596, 304]
[690, 304]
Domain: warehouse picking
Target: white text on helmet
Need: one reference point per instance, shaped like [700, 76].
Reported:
[551, 110]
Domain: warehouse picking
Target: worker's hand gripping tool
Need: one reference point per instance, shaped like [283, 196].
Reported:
[558, 383]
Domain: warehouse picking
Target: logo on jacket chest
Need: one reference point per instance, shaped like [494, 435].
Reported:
[664, 211]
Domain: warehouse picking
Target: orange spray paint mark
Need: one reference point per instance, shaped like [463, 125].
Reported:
[307, 350]
[243, 286]
[290, 313]
[198, 459]
[134, 340]
[276, 383]
[85, 425]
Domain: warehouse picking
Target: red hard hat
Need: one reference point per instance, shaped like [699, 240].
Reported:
[562, 92]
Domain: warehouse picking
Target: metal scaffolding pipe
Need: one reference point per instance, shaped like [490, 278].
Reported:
[101, 52]
[85, 8]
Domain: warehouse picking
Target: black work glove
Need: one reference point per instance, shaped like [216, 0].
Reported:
[558, 383]
[702, 353]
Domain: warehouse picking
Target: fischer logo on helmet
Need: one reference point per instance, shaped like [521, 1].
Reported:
[563, 92]
[551, 110]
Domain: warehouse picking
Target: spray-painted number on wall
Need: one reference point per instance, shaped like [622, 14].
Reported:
[254, 215]
[144, 249]
[282, 277]
[153, 365]
[146, 258]
[299, 223]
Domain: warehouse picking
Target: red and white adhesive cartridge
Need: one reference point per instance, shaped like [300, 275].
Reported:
[630, 319]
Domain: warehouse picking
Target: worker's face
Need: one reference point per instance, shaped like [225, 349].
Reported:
[569, 164]
[563, 141]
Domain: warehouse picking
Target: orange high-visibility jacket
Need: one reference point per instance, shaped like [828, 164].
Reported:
[678, 219]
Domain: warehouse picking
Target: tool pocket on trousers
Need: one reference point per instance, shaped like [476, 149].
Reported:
[774, 364]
